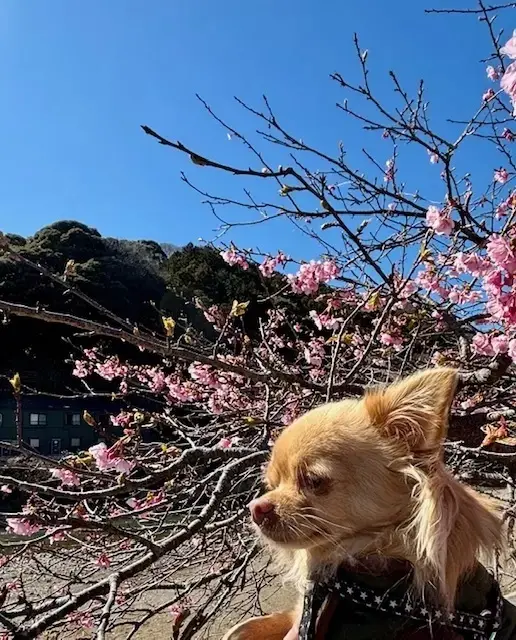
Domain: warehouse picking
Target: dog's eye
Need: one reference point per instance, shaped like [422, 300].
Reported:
[314, 484]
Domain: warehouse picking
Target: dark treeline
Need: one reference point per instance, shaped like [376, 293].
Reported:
[139, 280]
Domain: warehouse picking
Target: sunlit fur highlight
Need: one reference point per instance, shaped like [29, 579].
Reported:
[391, 496]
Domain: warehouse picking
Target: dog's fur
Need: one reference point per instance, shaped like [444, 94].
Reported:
[364, 481]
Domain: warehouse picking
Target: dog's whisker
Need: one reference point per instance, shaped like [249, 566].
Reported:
[324, 534]
[325, 521]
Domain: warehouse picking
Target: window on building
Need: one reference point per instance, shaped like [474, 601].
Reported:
[34, 443]
[75, 443]
[38, 419]
[73, 419]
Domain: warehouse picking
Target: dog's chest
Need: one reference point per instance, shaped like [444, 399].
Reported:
[352, 623]
[345, 609]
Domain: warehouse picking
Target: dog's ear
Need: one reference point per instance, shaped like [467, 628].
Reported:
[415, 410]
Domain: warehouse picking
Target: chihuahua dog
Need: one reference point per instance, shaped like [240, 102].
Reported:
[360, 485]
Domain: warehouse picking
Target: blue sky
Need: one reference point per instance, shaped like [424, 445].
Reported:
[79, 78]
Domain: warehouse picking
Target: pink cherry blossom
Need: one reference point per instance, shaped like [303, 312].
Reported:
[216, 404]
[509, 48]
[391, 339]
[481, 345]
[82, 369]
[205, 374]
[269, 264]
[492, 73]
[103, 561]
[508, 135]
[100, 455]
[22, 527]
[501, 175]
[83, 619]
[121, 465]
[233, 258]
[328, 270]
[324, 320]
[66, 476]
[111, 368]
[500, 344]
[512, 349]
[153, 499]
[314, 352]
[428, 279]
[471, 263]
[439, 220]
[226, 398]
[106, 459]
[488, 95]
[462, 295]
[503, 307]
[267, 267]
[123, 419]
[494, 282]
[212, 314]
[335, 302]
[506, 206]
[5, 488]
[501, 253]
[156, 379]
[57, 536]
[508, 81]
[501, 210]
[311, 274]
[179, 391]
[404, 288]
[176, 611]
[227, 443]
[440, 324]
[133, 503]
[469, 403]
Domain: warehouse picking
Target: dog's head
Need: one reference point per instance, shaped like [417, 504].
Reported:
[334, 473]
[366, 476]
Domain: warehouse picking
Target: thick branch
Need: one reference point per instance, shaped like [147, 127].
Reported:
[160, 347]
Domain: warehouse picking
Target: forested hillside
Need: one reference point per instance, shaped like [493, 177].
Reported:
[138, 280]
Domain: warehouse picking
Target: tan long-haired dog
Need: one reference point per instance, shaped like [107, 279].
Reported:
[363, 481]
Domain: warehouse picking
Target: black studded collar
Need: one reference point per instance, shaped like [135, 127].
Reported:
[398, 601]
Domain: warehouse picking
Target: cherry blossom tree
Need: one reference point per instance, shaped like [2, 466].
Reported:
[404, 280]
